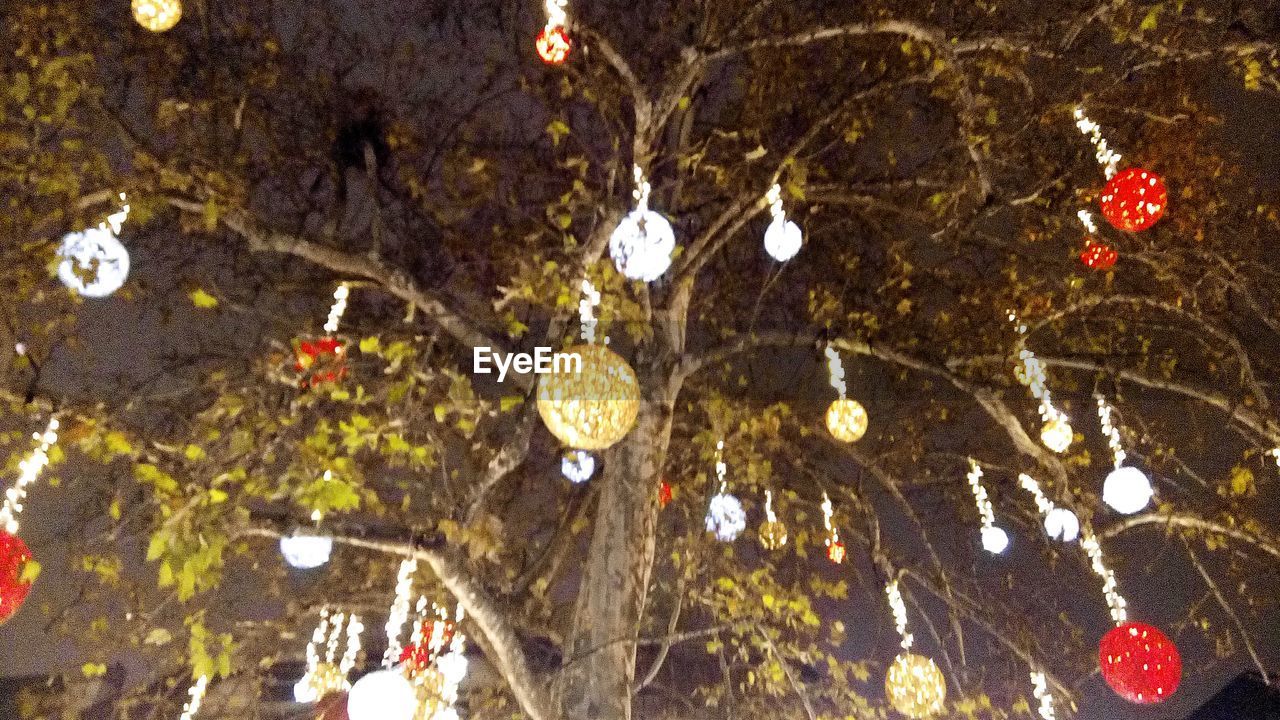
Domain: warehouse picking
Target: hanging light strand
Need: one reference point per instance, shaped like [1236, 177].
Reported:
[721, 468]
[338, 308]
[1110, 430]
[1056, 433]
[197, 693]
[1086, 219]
[1106, 157]
[642, 189]
[1040, 688]
[587, 310]
[980, 495]
[354, 628]
[557, 16]
[28, 472]
[899, 608]
[399, 614]
[1115, 602]
[835, 548]
[835, 371]
[1059, 522]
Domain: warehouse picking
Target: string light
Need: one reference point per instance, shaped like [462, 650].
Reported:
[899, 608]
[1060, 523]
[1115, 602]
[773, 534]
[835, 547]
[586, 311]
[994, 539]
[1105, 156]
[1056, 433]
[578, 466]
[197, 693]
[1126, 490]
[1040, 688]
[846, 419]
[338, 308]
[553, 43]
[725, 516]
[399, 613]
[436, 662]
[28, 472]
[782, 239]
[330, 674]
[1097, 255]
[642, 244]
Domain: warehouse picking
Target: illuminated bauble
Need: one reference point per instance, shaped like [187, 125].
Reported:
[835, 551]
[726, 518]
[594, 408]
[782, 239]
[994, 540]
[14, 556]
[1057, 434]
[382, 695]
[318, 362]
[773, 534]
[305, 551]
[1127, 490]
[915, 687]
[157, 15]
[553, 45]
[578, 466]
[319, 682]
[1139, 663]
[94, 262]
[1134, 199]
[452, 667]
[1098, 255]
[665, 494]
[1062, 524]
[438, 634]
[642, 244]
[847, 420]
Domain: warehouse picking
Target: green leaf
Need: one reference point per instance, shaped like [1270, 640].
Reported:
[193, 453]
[557, 129]
[370, 345]
[116, 443]
[1153, 16]
[202, 299]
[93, 670]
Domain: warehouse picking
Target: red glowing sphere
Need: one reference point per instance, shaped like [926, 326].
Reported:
[1139, 663]
[553, 44]
[1134, 199]
[835, 551]
[320, 361]
[14, 556]
[1098, 255]
[665, 494]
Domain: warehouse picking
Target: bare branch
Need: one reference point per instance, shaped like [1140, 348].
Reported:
[1226, 606]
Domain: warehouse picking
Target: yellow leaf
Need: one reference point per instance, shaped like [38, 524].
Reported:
[370, 345]
[194, 453]
[202, 299]
[93, 670]
[30, 572]
[115, 509]
[217, 496]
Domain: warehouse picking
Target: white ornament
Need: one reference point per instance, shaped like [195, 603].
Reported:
[1127, 490]
[994, 540]
[642, 244]
[1062, 524]
[452, 667]
[304, 551]
[725, 517]
[578, 466]
[382, 695]
[782, 239]
[94, 263]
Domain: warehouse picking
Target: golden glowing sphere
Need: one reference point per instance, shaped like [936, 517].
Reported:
[915, 687]
[157, 15]
[593, 408]
[847, 420]
[1057, 434]
[773, 534]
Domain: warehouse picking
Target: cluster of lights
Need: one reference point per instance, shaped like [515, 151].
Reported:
[197, 692]
[994, 539]
[642, 244]
[338, 308]
[553, 42]
[28, 472]
[1127, 490]
[835, 546]
[773, 534]
[1115, 602]
[94, 262]
[157, 15]
[436, 663]
[1056, 434]
[1040, 687]
[578, 466]
[846, 419]
[914, 685]
[1132, 200]
[587, 311]
[329, 675]
[782, 239]
[399, 613]
[1059, 522]
[325, 359]
[899, 608]
[1109, 159]
[725, 516]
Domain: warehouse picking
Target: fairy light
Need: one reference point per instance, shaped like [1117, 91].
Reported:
[835, 372]
[586, 311]
[1059, 522]
[994, 540]
[329, 674]
[782, 239]
[1040, 688]
[1276, 454]
[28, 472]
[1115, 602]
[1086, 219]
[556, 15]
[354, 628]
[773, 533]
[399, 614]
[339, 307]
[1110, 430]
[1056, 433]
[835, 548]
[197, 692]
[899, 608]
[1106, 157]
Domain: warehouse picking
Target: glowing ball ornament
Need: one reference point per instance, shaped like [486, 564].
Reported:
[594, 408]
[553, 45]
[835, 551]
[578, 466]
[1098, 255]
[642, 244]
[382, 695]
[304, 551]
[782, 239]
[157, 15]
[1057, 434]
[1140, 663]
[915, 686]
[994, 540]
[665, 494]
[1127, 490]
[1062, 524]
[94, 262]
[847, 420]
[15, 574]
[726, 518]
[1134, 199]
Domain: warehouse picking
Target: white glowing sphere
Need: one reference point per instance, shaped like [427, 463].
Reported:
[446, 714]
[1057, 434]
[382, 695]
[1127, 490]
[304, 692]
[642, 244]
[94, 263]
[782, 239]
[726, 518]
[578, 466]
[994, 540]
[1062, 524]
[305, 552]
[452, 667]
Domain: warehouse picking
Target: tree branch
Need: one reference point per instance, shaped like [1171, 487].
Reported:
[1226, 607]
[1263, 542]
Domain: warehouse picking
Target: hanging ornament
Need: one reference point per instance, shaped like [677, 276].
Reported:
[196, 693]
[157, 15]
[1040, 688]
[642, 244]
[994, 539]
[1097, 255]
[782, 239]
[1132, 200]
[435, 662]
[665, 493]
[305, 551]
[846, 419]
[914, 685]
[324, 360]
[94, 262]
[1060, 523]
[1140, 663]
[430, 638]
[399, 613]
[835, 547]
[578, 466]
[382, 695]
[553, 42]
[1056, 433]
[16, 570]
[773, 534]
[330, 674]
[725, 516]
[1127, 490]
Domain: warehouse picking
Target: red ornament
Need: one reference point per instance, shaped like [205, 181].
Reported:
[1139, 663]
[419, 657]
[665, 494]
[319, 362]
[835, 551]
[14, 556]
[1098, 255]
[553, 44]
[1134, 199]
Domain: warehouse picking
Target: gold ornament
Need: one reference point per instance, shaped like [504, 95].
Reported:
[594, 408]
[157, 15]
[1057, 434]
[915, 687]
[847, 420]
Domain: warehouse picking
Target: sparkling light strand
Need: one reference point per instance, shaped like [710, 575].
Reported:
[835, 371]
[980, 495]
[899, 608]
[1031, 373]
[642, 189]
[339, 307]
[196, 692]
[721, 467]
[354, 628]
[1110, 430]
[1040, 687]
[1086, 219]
[28, 472]
[1115, 602]
[586, 311]
[1060, 523]
[769, 514]
[783, 238]
[725, 516]
[399, 614]
[556, 15]
[835, 548]
[1106, 157]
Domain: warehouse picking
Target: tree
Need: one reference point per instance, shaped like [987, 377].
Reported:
[421, 154]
